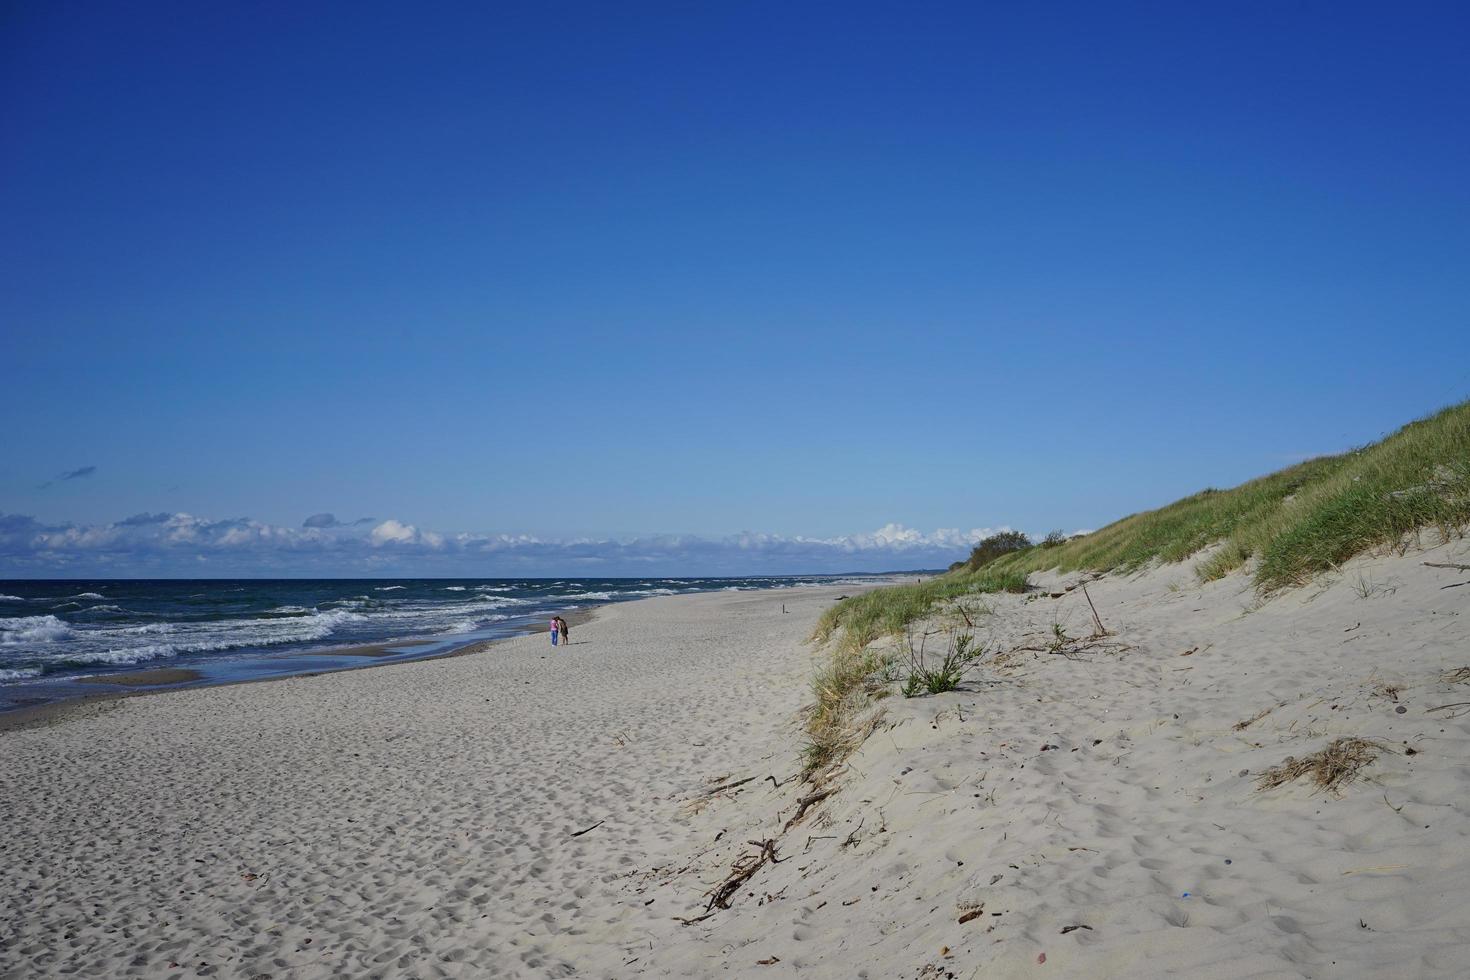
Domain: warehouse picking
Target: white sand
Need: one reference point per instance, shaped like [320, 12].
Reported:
[416, 820]
[404, 820]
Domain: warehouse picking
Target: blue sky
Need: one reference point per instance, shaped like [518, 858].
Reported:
[704, 273]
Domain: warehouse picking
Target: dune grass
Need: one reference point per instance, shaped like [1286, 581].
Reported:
[1297, 522]
[885, 612]
[841, 717]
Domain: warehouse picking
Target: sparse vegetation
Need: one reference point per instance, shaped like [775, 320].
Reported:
[852, 672]
[1295, 523]
[888, 612]
[960, 654]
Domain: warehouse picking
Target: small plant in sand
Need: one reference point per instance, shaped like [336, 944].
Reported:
[1329, 769]
[960, 654]
[1365, 588]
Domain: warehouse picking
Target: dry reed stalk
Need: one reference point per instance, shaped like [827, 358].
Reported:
[1241, 726]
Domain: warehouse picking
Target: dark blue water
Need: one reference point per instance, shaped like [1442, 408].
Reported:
[53, 632]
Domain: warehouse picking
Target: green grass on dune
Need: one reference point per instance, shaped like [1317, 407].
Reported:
[1297, 522]
[843, 682]
[887, 611]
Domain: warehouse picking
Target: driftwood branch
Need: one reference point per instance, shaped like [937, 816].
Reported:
[1440, 564]
[807, 802]
[744, 870]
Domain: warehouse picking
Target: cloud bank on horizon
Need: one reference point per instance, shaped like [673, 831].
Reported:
[178, 544]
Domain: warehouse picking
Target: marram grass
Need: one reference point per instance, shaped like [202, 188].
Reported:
[1295, 523]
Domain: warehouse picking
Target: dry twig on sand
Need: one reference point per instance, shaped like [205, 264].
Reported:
[724, 786]
[807, 802]
[1330, 768]
[744, 869]
[1460, 675]
[1241, 726]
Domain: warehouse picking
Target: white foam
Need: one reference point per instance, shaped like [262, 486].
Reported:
[10, 598]
[86, 595]
[19, 674]
[454, 588]
[389, 588]
[32, 629]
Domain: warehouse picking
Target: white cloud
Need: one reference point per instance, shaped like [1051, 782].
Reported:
[392, 532]
[156, 543]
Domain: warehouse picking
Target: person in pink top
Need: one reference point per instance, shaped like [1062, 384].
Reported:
[555, 629]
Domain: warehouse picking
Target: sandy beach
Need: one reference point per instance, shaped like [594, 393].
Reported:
[406, 820]
[1093, 810]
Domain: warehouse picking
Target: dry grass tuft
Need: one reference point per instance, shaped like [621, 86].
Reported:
[1460, 675]
[1334, 766]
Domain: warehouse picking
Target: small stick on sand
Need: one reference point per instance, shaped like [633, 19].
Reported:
[724, 786]
[1439, 564]
[1101, 630]
[590, 829]
[1381, 867]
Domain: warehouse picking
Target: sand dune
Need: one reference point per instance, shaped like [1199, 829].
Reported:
[1098, 806]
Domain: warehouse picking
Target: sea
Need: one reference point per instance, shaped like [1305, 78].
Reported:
[57, 636]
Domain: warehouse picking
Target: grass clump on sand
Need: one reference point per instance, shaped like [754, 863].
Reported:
[1294, 523]
[944, 673]
[886, 612]
[1336, 765]
[841, 716]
